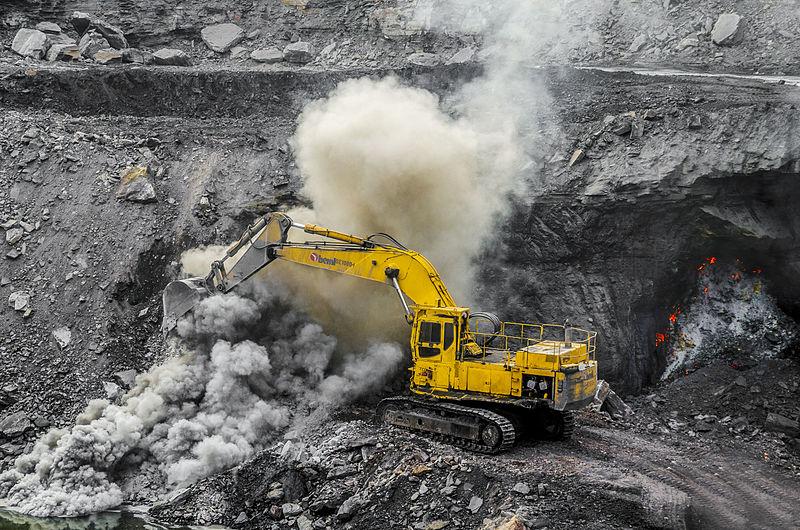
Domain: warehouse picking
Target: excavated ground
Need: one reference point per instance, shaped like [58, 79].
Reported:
[704, 167]
[585, 238]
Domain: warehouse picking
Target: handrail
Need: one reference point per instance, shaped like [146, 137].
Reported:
[515, 336]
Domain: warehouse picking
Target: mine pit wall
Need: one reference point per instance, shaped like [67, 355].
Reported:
[614, 239]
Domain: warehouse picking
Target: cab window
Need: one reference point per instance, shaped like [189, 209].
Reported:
[449, 335]
[430, 336]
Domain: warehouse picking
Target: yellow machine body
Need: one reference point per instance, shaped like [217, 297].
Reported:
[524, 364]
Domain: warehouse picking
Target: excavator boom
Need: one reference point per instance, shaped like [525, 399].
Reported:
[266, 240]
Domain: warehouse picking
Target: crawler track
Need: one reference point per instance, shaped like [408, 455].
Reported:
[475, 429]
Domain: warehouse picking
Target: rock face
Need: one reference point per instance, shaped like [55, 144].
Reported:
[267, 55]
[171, 57]
[299, 52]
[30, 43]
[135, 186]
[222, 37]
[727, 30]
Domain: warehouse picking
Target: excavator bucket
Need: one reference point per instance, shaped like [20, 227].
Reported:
[180, 297]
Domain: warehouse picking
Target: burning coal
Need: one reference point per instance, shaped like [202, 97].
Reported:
[731, 314]
[216, 401]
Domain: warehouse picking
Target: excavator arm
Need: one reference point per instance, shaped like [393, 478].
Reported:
[408, 272]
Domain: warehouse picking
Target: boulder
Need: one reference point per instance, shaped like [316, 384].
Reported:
[30, 43]
[108, 55]
[112, 34]
[49, 27]
[475, 504]
[80, 21]
[222, 37]
[171, 57]
[63, 52]
[727, 30]
[91, 43]
[299, 52]
[15, 424]
[267, 55]
[616, 408]
[777, 423]
[135, 186]
[14, 235]
[62, 336]
[19, 300]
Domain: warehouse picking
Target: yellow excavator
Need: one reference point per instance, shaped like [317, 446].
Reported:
[477, 382]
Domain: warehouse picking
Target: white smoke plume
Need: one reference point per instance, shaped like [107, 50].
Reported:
[214, 403]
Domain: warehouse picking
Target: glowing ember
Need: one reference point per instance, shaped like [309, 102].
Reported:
[661, 338]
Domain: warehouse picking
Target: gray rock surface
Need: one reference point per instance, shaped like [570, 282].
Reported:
[30, 43]
[222, 37]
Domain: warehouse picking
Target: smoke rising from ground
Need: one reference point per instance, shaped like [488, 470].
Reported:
[216, 401]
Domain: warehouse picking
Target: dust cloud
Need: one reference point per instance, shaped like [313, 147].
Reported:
[245, 370]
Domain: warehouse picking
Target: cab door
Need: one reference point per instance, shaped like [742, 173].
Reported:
[436, 347]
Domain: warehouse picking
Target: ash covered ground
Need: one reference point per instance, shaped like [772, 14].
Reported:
[658, 209]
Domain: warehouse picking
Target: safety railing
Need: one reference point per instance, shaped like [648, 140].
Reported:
[547, 338]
